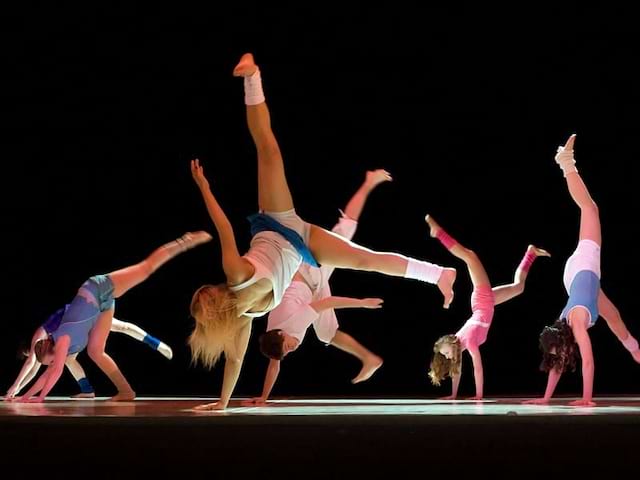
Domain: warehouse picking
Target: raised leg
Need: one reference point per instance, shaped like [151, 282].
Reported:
[273, 189]
[503, 293]
[612, 316]
[589, 215]
[127, 278]
[333, 250]
[477, 272]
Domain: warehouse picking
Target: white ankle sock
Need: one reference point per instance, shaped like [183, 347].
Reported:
[565, 159]
[423, 271]
[253, 94]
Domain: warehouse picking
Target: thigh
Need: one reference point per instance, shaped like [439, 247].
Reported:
[100, 331]
[273, 189]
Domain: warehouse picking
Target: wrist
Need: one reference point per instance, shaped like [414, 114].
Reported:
[368, 186]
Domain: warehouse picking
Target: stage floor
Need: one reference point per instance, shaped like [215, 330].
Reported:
[322, 438]
[182, 407]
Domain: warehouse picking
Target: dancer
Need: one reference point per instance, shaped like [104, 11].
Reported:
[308, 301]
[447, 357]
[88, 320]
[256, 282]
[31, 365]
[561, 341]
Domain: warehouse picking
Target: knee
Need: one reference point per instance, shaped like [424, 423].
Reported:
[120, 327]
[519, 288]
[592, 207]
[269, 151]
[470, 256]
[615, 314]
[147, 268]
[95, 352]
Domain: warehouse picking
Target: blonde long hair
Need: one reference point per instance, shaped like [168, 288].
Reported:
[442, 367]
[214, 308]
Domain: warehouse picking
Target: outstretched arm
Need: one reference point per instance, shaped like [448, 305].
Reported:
[232, 366]
[552, 383]
[455, 383]
[478, 373]
[236, 268]
[50, 377]
[584, 344]
[345, 302]
[373, 178]
[29, 368]
[273, 370]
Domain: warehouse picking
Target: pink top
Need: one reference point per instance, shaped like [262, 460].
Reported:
[475, 330]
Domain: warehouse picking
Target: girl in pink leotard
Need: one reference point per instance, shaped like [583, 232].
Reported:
[447, 357]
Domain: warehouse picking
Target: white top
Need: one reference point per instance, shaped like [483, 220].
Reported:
[274, 258]
[295, 315]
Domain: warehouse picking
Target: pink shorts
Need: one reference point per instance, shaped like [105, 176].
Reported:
[475, 330]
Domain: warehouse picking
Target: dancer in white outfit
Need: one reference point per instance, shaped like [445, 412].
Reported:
[256, 282]
[308, 301]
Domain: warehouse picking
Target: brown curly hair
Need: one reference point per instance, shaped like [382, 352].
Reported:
[559, 347]
[442, 367]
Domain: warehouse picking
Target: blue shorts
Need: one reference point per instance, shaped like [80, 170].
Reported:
[261, 222]
[94, 297]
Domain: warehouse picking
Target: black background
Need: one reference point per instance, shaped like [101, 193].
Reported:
[104, 106]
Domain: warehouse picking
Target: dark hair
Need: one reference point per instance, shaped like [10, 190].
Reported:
[559, 339]
[43, 347]
[272, 344]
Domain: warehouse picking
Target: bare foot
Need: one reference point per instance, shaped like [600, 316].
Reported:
[582, 403]
[191, 239]
[476, 397]
[445, 284]
[124, 396]
[84, 395]
[539, 252]
[209, 406]
[369, 367]
[433, 225]
[246, 66]
[636, 355]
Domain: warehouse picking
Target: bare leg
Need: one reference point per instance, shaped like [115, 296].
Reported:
[613, 318]
[503, 293]
[477, 272]
[273, 189]
[589, 215]
[331, 249]
[74, 367]
[78, 373]
[274, 195]
[129, 277]
[370, 361]
[96, 349]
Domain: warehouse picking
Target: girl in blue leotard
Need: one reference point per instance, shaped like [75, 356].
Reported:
[88, 320]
